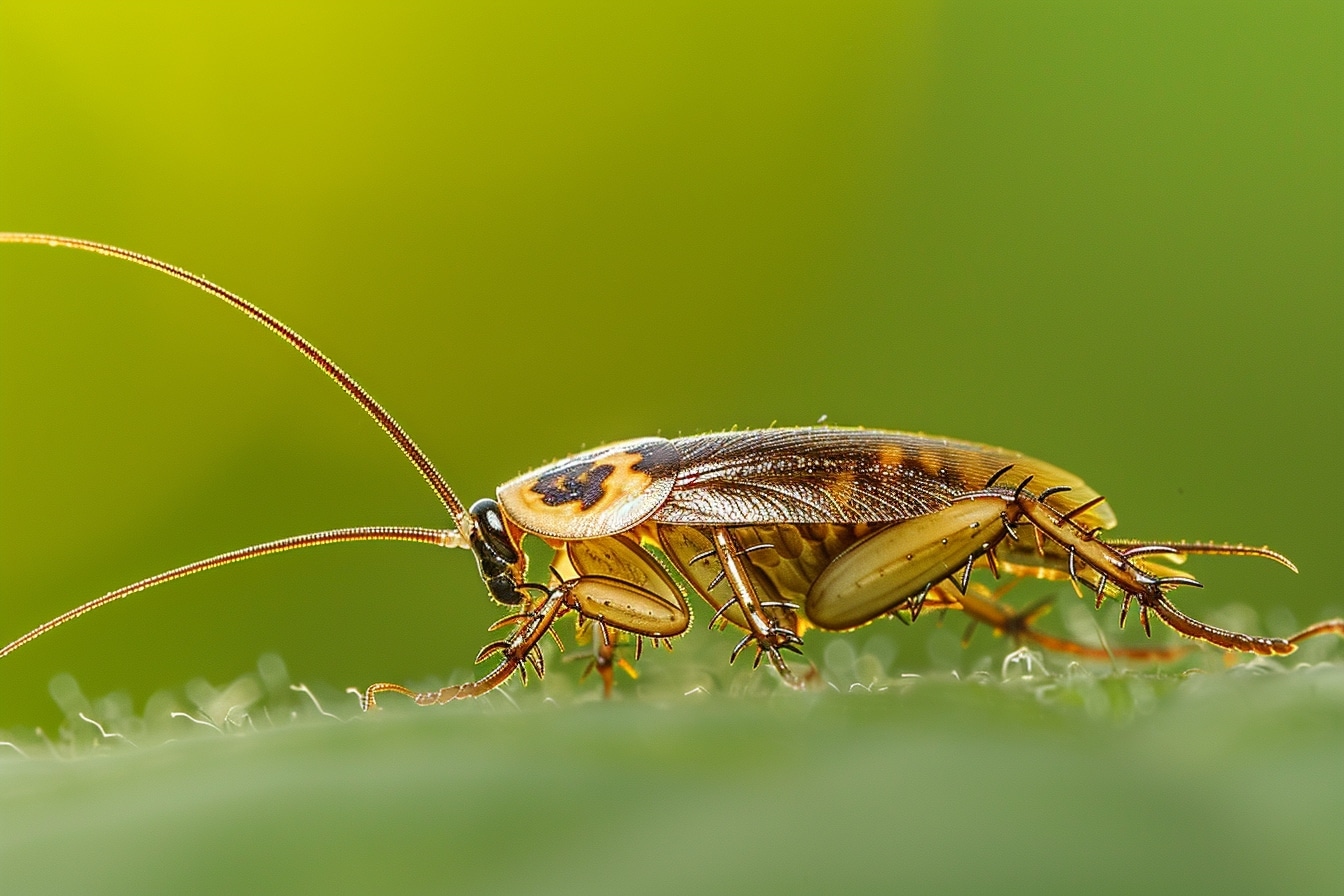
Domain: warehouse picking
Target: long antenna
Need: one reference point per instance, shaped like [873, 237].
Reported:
[347, 382]
[447, 538]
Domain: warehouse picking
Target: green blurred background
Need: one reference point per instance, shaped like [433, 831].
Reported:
[1109, 235]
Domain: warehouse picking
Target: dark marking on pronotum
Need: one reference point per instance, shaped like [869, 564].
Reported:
[579, 482]
[657, 459]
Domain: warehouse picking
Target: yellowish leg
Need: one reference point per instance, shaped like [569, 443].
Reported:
[983, 607]
[520, 649]
[768, 637]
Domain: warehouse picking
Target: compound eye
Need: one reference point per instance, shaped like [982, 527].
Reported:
[491, 529]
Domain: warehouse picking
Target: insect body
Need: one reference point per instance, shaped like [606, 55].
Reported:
[778, 530]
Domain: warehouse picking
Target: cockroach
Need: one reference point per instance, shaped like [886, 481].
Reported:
[778, 530]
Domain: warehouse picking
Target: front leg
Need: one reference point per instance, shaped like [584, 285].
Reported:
[619, 590]
[516, 651]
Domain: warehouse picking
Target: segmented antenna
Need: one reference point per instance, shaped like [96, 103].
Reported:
[346, 382]
[447, 538]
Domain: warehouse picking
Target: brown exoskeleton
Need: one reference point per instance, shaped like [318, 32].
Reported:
[779, 530]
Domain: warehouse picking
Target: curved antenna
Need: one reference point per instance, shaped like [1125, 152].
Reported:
[347, 382]
[447, 538]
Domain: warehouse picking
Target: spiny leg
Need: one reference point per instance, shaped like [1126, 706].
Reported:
[1017, 624]
[768, 637]
[1122, 566]
[1230, 640]
[619, 591]
[603, 657]
[1154, 598]
[518, 651]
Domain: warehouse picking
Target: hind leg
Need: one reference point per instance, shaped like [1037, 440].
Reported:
[983, 606]
[1228, 640]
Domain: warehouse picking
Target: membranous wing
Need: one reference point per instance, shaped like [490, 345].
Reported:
[825, 475]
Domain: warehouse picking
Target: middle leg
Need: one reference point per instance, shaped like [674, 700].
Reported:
[769, 638]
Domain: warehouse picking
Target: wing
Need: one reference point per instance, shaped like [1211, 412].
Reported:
[827, 475]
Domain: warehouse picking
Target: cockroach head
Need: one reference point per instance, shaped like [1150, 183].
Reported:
[498, 551]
